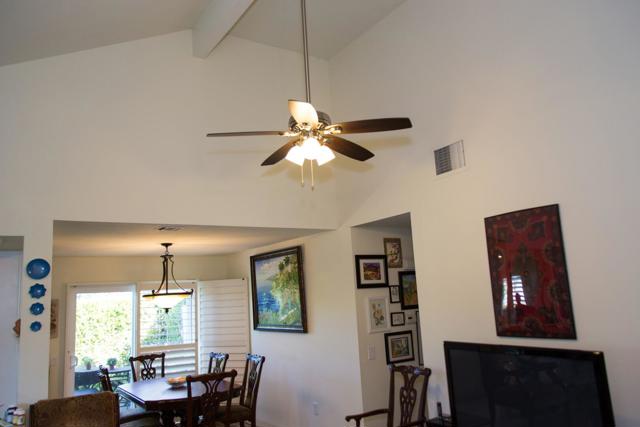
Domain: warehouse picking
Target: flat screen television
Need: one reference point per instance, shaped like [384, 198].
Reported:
[511, 386]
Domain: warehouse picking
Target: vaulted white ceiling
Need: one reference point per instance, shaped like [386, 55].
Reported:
[332, 24]
[33, 29]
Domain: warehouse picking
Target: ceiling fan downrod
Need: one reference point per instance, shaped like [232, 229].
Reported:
[305, 49]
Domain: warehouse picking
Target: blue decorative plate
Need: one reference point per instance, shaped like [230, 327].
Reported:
[37, 291]
[35, 326]
[38, 268]
[36, 308]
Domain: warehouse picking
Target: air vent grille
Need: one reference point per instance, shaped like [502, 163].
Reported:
[449, 158]
[168, 228]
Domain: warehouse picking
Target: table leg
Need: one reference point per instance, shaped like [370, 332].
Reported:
[167, 419]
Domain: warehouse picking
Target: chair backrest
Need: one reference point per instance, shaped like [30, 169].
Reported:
[147, 370]
[91, 410]
[105, 379]
[214, 395]
[251, 381]
[412, 390]
[217, 362]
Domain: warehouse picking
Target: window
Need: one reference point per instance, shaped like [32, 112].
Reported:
[173, 332]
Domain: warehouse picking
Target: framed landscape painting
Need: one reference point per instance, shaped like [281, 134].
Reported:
[277, 282]
[371, 271]
[408, 289]
[529, 281]
[399, 346]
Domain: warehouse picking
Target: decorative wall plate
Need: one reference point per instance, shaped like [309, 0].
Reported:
[37, 291]
[38, 268]
[35, 326]
[36, 308]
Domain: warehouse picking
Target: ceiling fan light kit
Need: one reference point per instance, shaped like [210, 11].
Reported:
[314, 136]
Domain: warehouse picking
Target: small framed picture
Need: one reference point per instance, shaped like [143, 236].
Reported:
[371, 271]
[378, 314]
[394, 294]
[397, 318]
[393, 251]
[399, 346]
[408, 289]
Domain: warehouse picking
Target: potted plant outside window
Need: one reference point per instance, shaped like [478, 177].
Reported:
[87, 361]
[112, 361]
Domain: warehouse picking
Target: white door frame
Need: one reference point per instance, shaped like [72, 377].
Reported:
[70, 360]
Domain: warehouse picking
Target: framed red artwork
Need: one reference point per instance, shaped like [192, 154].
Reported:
[529, 280]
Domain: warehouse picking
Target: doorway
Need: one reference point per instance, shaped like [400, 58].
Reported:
[100, 331]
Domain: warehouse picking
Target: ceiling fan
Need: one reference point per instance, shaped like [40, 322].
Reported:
[313, 136]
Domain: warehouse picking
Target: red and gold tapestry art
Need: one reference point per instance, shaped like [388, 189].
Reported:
[529, 280]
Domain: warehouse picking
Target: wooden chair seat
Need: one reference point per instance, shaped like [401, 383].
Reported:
[237, 413]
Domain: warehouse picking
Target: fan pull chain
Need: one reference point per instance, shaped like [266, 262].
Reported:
[302, 174]
[313, 184]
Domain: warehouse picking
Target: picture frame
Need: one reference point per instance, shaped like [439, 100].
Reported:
[528, 270]
[399, 346]
[394, 294]
[275, 277]
[408, 289]
[378, 317]
[53, 318]
[371, 271]
[397, 318]
[393, 251]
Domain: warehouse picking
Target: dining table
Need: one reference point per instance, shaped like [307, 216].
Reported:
[157, 395]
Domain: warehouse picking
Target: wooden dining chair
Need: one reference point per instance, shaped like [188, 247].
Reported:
[412, 391]
[128, 411]
[245, 411]
[220, 360]
[91, 410]
[147, 370]
[214, 404]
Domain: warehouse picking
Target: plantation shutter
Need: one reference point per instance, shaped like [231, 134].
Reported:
[224, 322]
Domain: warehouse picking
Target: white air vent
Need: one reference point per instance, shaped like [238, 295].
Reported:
[168, 228]
[449, 158]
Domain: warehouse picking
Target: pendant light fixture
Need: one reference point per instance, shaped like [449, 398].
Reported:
[167, 299]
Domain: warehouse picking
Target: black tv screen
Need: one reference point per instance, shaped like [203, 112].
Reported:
[511, 386]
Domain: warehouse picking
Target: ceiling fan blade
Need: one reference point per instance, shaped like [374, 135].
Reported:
[347, 148]
[303, 112]
[255, 133]
[374, 125]
[279, 154]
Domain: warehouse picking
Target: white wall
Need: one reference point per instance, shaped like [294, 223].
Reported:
[323, 365]
[112, 270]
[117, 134]
[374, 374]
[546, 96]
[10, 266]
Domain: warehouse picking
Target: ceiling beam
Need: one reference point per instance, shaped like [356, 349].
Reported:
[215, 22]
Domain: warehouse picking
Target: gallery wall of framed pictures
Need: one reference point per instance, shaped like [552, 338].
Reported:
[391, 303]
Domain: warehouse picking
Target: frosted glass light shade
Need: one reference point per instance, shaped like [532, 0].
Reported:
[325, 155]
[310, 148]
[295, 155]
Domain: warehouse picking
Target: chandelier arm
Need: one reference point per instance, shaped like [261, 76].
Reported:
[176, 282]
[164, 277]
